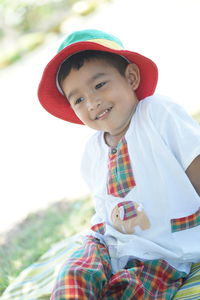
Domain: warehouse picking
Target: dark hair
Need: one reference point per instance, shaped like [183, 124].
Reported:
[77, 60]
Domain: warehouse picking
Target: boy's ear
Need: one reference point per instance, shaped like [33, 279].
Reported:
[132, 73]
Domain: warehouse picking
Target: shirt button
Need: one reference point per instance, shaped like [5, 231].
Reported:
[114, 150]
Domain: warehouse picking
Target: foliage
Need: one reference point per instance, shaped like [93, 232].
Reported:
[28, 15]
[34, 21]
[29, 21]
[25, 44]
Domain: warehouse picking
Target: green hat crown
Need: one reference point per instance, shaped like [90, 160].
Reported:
[88, 35]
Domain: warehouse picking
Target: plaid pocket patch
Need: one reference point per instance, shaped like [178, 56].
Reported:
[184, 223]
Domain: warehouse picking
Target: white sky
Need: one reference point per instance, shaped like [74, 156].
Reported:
[40, 154]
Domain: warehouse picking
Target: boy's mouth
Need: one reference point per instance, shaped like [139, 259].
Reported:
[102, 114]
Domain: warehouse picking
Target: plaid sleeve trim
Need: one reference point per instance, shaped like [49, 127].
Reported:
[187, 222]
[100, 228]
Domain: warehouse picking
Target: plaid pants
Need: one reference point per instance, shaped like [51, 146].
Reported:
[87, 275]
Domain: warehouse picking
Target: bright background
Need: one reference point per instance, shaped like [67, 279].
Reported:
[40, 154]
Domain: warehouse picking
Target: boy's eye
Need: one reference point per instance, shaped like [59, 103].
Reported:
[79, 100]
[99, 85]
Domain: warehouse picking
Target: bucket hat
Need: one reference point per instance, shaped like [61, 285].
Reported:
[51, 97]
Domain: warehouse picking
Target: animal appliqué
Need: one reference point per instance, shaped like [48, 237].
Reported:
[127, 215]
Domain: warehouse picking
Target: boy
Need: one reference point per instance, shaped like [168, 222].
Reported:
[142, 166]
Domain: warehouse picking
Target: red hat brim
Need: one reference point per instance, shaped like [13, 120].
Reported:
[56, 103]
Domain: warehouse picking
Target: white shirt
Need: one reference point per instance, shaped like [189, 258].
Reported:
[162, 142]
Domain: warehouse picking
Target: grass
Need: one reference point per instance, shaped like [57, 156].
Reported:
[25, 243]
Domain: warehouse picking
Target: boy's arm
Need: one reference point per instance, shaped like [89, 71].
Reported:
[193, 172]
[181, 134]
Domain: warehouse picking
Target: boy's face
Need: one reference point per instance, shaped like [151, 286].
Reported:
[101, 97]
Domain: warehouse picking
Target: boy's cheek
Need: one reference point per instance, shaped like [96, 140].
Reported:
[79, 115]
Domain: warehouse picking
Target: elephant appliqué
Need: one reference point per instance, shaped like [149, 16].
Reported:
[127, 215]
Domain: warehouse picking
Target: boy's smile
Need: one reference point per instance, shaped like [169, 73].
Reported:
[102, 98]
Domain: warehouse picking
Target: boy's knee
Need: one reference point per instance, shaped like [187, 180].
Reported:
[79, 281]
[82, 276]
[79, 272]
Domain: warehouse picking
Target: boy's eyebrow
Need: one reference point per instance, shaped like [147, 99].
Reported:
[94, 77]
[98, 75]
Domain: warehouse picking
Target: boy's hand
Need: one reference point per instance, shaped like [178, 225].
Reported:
[193, 172]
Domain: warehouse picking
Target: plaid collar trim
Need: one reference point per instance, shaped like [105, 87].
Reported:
[120, 179]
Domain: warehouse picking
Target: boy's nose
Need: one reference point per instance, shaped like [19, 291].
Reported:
[93, 103]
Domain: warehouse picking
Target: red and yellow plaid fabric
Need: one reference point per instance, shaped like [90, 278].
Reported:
[129, 210]
[100, 228]
[87, 275]
[186, 222]
[120, 176]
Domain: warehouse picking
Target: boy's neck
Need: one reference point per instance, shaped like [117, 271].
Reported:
[113, 140]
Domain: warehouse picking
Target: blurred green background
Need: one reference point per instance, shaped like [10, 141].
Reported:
[26, 24]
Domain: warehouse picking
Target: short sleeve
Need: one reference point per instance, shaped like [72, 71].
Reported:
[180, 132]
[90, 157]
[88, 166]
